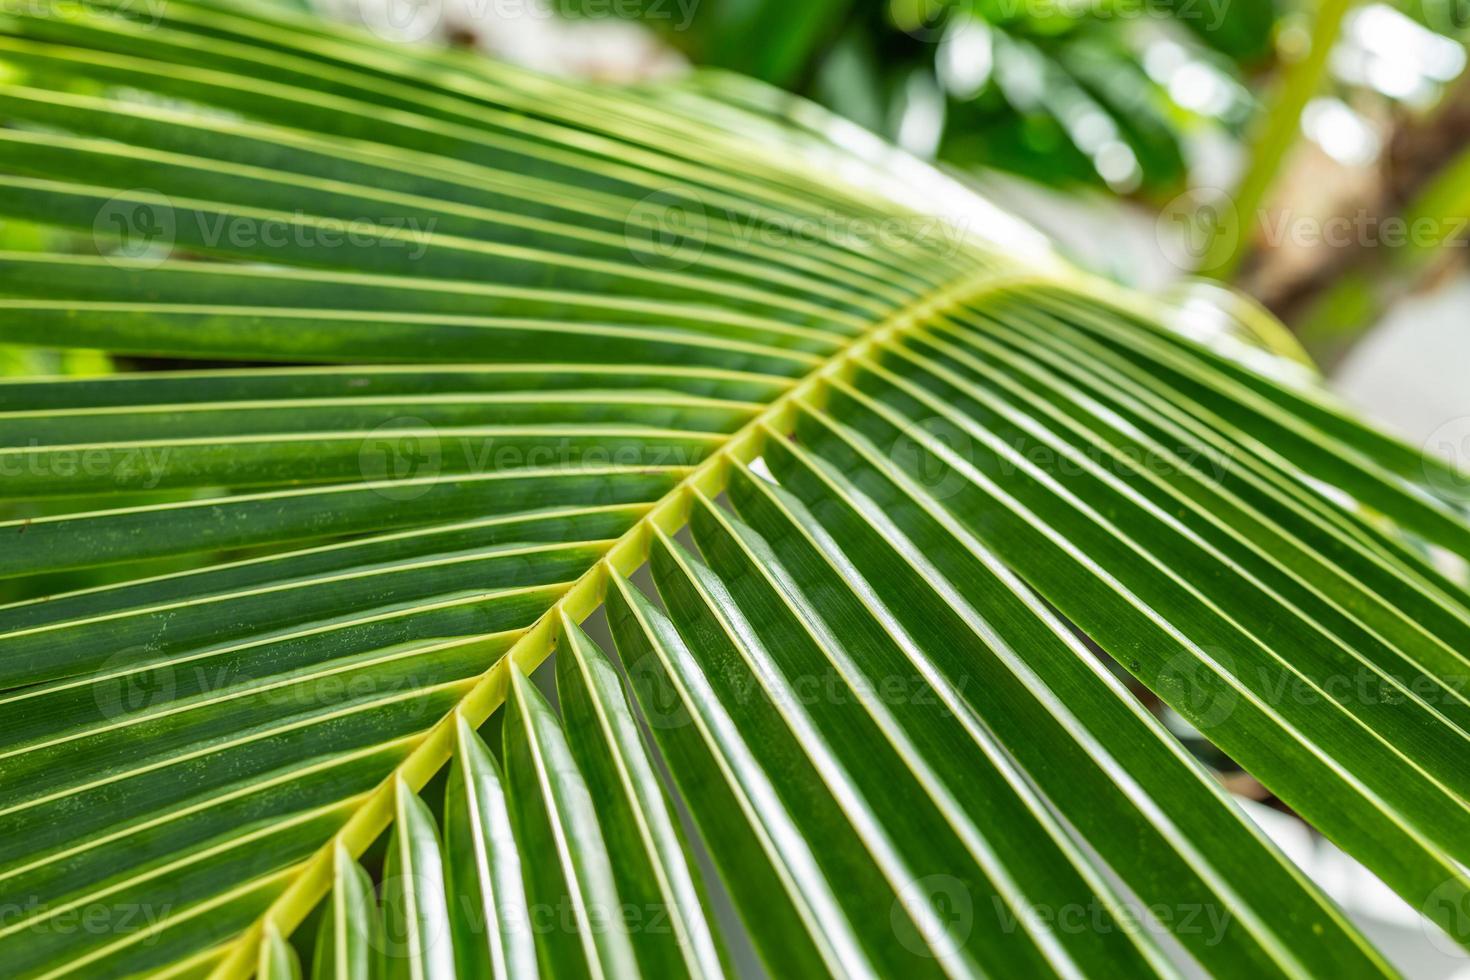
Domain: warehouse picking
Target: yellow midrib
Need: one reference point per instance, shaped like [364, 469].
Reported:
[625, 555]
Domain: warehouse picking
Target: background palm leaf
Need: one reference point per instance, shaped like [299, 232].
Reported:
[499, 337]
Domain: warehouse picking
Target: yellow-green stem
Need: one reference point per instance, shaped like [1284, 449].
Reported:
[1274, 137]
[314, 875]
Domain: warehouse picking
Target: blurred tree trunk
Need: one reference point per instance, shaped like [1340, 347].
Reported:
[1330, 293]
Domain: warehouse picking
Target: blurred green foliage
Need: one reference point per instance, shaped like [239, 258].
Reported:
[1101, 93]
[1062, 91]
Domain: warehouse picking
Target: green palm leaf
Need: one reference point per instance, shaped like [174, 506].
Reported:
[498, 338]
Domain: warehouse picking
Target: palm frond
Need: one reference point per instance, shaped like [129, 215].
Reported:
[497, 339]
